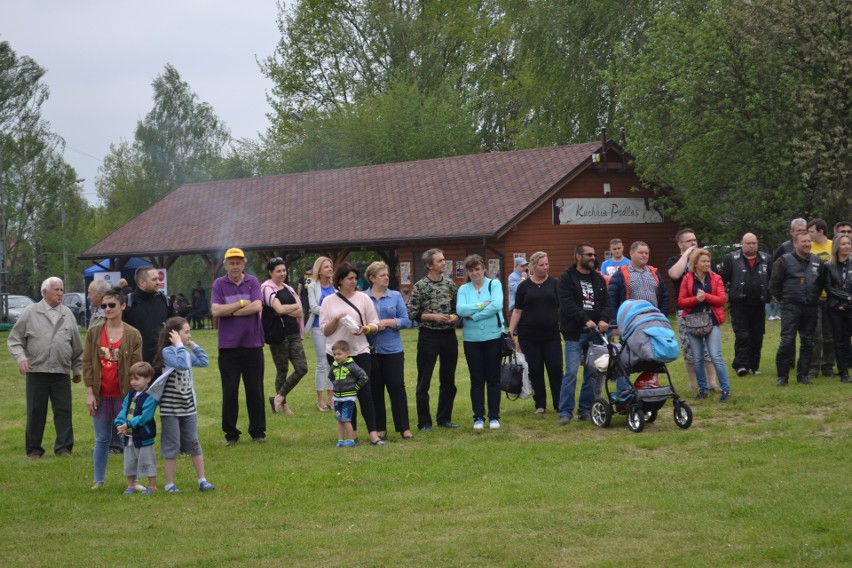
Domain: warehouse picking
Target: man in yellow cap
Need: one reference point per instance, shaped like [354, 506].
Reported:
[236, 302]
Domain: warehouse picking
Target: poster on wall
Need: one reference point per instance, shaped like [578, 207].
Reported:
[405, 273]
[111, 278]
[494, 268]
[448, 269]
[459, 269]
[163, 286]
[605, 211]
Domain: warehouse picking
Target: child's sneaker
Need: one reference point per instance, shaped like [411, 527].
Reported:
[172, 489]
[150, 490]
[129, 491]
[349, 443]
[205, 486]
[139, 487]
[340, 443]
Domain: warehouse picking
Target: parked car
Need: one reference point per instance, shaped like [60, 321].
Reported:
[76, 301]
[16, 305]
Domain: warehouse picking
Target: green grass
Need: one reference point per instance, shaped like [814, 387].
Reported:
[761, 481]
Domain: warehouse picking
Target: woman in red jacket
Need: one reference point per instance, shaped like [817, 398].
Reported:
[702, 290]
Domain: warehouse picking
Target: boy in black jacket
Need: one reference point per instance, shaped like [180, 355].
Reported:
[347, 379]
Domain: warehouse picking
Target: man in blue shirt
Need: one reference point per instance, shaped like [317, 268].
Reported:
[612, 264]
[515, 278]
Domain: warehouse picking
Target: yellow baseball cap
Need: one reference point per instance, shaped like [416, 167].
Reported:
[234, 253]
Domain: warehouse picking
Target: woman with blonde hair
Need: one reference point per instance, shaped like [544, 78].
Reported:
[388, 360]
[702, 290]
[536, 319]
[839, 290]
[320, 288]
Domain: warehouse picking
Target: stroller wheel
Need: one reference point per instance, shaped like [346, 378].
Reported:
[636, 419]
[682, 415]
[601, 413]
[650, 416]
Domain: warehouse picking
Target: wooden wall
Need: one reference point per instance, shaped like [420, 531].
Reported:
[538, 231]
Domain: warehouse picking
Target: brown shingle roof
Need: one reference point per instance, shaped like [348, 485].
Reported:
[462, 197]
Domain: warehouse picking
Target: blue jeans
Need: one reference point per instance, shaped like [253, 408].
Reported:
[575, 353]
[103, 435]
[713, 342]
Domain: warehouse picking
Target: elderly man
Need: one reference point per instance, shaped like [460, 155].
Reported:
[638, 280]
[147, 309]
[97, 289]
[745, 274]
[583, 306]
[237, 303]
[46, 344]
[798, 279]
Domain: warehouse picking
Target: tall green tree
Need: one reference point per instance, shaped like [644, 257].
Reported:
[44, 213]
[180, 140]
[741, 108]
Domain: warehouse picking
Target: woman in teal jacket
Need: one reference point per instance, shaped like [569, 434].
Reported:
[479, 304]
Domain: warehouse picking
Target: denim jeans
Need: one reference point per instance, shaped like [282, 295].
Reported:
[103, 435]
[575, 353]
[713, 343]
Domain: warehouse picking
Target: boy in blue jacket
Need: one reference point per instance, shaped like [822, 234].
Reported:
[135, 422]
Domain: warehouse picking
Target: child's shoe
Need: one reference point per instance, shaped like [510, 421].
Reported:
[349, 443]
[205, 486]
[340, 443]
[129, 491]
[150, 490]
[172, 489]
[139, 487]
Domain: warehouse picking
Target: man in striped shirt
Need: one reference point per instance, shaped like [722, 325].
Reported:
[638, 280]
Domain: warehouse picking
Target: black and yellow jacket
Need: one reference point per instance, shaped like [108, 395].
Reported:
[347, 378]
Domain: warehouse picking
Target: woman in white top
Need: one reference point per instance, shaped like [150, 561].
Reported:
[319, 289]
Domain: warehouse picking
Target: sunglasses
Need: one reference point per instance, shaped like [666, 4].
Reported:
[273, 262]
[108, 305]
[590, 254]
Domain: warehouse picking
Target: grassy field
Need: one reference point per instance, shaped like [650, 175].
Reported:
[761, 481]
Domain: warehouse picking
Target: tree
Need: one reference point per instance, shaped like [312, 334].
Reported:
[181, 140]
[742, 109]
[44, 213]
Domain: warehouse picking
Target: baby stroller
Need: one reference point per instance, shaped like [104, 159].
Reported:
[647, 344]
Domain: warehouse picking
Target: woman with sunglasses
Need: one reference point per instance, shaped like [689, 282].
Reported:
[111, 348]
[283, 303]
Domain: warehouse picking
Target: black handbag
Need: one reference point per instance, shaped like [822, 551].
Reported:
[511, 377]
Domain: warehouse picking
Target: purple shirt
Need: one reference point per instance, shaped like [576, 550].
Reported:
[238, 331]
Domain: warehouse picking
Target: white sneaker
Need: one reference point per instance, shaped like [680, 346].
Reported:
[494, 424]
[478, 424]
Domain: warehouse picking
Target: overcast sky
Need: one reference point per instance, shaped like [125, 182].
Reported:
[102, 55]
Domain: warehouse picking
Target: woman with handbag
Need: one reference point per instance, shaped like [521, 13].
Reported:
[283, 329]
[318, 290]
[536, 319]
[388, 359]
[362, 320]
[702, 298]
[479, 304]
